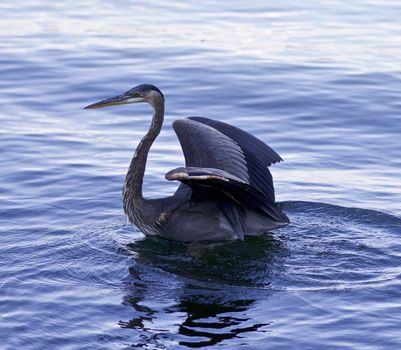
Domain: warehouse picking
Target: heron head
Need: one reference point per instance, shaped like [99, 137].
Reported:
[141, 93]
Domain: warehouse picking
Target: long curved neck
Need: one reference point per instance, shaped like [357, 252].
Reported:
[132, 194]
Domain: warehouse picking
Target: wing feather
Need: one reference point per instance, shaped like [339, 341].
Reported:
[206, 147]
[258, 155]
[214, 144]
[239, 191]
[249, 143]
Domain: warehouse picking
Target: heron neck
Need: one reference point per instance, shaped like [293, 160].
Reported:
[132, 195]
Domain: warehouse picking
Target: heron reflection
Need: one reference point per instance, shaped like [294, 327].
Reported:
[198, 319]
[198, 294]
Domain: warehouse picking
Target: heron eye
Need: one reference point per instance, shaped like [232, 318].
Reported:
[135, 94]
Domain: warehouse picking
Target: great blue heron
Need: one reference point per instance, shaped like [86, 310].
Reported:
[226, 189]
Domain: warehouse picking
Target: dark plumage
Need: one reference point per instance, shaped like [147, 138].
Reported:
[226, 189]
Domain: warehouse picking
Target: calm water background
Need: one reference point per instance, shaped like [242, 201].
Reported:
[320, 82]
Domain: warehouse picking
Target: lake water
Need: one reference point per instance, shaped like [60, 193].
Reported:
[318, 81]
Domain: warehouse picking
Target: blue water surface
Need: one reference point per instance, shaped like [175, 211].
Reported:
[318, 81]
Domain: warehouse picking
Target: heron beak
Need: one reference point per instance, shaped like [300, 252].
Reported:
[116, 100]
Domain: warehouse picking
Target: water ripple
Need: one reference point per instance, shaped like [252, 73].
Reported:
[316, 81]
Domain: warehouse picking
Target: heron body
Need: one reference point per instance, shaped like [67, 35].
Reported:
[226, 189]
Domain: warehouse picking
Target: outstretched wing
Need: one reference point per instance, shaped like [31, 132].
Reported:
[231, 185]
[206, 147]
[211, 144]
[250, 145]
[240, 193]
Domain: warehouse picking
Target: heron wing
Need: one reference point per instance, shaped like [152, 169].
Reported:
[210, 143]
[211, 177]
[248, 143]
[206, 147]
[239, 193]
